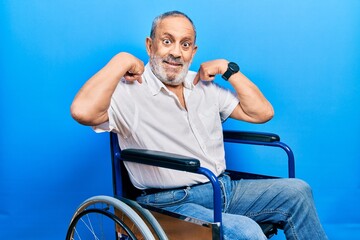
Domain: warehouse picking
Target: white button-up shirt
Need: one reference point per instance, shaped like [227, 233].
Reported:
[149, 116]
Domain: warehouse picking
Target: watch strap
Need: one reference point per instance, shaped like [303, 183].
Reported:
[232, 68]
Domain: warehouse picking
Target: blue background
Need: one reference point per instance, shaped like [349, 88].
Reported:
[304, 55]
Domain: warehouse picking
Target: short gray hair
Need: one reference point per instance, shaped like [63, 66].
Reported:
[165, 15]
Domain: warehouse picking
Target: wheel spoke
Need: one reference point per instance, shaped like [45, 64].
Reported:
[107, 218]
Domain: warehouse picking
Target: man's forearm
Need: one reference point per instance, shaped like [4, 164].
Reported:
[253, 106]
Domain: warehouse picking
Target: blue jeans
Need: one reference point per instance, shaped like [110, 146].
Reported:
[288, 202]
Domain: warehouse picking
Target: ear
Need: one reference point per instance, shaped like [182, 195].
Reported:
[194, 51]
[148, 44]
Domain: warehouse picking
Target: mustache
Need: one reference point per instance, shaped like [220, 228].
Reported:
[171, 58]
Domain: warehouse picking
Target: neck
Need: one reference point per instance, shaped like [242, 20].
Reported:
[178, 91]
[174, 88]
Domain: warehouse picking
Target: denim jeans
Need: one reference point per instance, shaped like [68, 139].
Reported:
[288, 202]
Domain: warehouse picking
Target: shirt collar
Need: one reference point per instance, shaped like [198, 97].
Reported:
[155, 85]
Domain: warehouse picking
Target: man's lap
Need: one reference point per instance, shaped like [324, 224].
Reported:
[244, 202]
[257, 199]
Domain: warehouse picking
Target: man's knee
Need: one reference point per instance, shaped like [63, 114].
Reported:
[300, 188]
[241, 227]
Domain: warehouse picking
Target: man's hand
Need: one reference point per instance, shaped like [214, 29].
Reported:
[134, 67]
[208, 70]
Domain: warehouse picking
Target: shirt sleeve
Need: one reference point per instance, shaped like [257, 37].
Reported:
[227, 102]
[107, 126]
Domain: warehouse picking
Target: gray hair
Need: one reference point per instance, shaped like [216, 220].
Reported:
[165, 15]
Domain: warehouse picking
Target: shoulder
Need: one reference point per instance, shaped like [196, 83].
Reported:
[125, 89]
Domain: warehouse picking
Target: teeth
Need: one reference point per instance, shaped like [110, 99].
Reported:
[176, 64]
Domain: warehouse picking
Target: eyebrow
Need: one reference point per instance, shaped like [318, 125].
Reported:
[166, 34]
[188, 38]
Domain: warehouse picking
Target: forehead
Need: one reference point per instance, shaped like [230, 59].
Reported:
[177, 26]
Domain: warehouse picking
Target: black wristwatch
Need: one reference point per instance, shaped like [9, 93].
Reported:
[232, 68]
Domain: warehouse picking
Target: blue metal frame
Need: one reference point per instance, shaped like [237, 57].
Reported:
[217, 195]
[116, 158]
[116, 164]
[286, 148]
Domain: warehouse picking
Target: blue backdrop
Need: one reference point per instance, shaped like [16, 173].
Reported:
[304, 55]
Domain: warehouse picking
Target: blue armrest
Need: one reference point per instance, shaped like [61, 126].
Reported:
[161, 159]
[250, 136]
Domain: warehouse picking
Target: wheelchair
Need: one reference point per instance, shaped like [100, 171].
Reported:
[120, 217]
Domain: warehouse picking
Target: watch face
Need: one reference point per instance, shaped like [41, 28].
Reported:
[234, 67]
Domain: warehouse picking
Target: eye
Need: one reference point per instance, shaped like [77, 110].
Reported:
[166, 41]
[186, 44]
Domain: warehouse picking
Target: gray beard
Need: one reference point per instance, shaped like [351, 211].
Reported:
[160, 73]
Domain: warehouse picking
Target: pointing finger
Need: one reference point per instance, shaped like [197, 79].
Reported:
[197, 78]
[140, 79]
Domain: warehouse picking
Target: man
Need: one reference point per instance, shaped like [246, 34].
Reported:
[164, 106]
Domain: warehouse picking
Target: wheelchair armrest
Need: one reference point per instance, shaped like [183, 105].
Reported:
[176, 162]
[160, 159]
[237, 136]
[265, 139]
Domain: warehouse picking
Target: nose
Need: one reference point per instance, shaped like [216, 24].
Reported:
[176, 50]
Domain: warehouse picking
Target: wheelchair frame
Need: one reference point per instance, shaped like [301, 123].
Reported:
[176, 162]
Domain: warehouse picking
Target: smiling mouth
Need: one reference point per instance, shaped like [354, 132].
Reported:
[174, 64]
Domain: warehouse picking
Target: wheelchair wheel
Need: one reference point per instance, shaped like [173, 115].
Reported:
[104, 217]
[148, 218]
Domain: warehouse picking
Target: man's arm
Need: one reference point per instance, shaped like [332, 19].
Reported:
[253, 106]
[91, 103]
